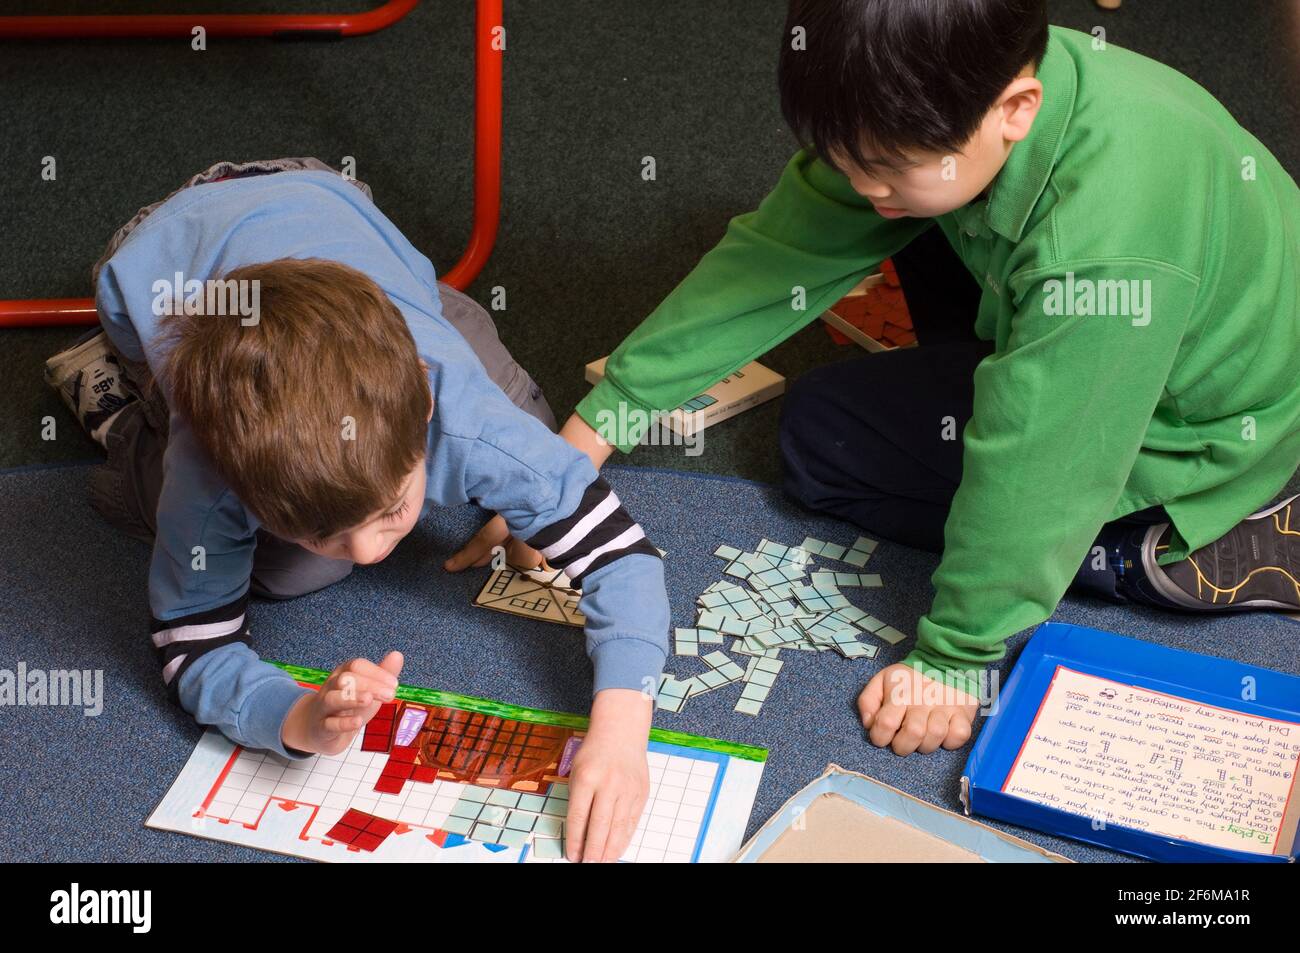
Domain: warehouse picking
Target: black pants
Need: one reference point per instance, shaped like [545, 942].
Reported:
[876, 440]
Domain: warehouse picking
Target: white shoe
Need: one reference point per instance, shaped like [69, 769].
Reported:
[90, 379]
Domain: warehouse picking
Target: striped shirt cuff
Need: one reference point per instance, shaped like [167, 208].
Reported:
[598, 532]
[179, 642]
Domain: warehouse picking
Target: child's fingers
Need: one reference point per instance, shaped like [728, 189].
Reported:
[911, 732]
[337, 701]
[598, 825]
[362, 675]
[936, 730]
[575, 827]
[362, 691]
[519, 553]
[959, 731]
[626, 814]
[369, 710]
[369, 670]
[886, 722]
[392, 663]
[478, 551]
[870, 699]
[342, 724]
[474, 555]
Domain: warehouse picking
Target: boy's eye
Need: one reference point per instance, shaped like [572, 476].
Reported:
[398, 513]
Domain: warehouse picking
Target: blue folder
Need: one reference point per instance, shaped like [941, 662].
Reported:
[1200, 678]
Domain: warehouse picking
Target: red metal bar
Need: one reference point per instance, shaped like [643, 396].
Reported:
[488, 55]
[47, 312]
[216, 24]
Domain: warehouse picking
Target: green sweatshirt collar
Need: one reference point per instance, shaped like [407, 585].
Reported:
[1024, 176]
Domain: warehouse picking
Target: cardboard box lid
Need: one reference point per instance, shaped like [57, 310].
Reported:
[846, 817]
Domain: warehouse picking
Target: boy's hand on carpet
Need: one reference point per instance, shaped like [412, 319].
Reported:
[478, 551]
[903, 709]
[325, 721]
[610, 779]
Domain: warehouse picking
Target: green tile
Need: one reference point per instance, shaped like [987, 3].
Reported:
[548, 848]
[512, 838]
[466, 809]
[520, 821]
[556, 807]
[457, 825]
[492, 814]
[549, 826]
[531, 802]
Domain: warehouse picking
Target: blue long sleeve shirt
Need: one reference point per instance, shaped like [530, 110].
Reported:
[481, 448]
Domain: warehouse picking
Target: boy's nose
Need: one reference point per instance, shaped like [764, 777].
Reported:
[363, 552]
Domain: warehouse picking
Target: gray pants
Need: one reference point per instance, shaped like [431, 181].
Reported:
[127, 488]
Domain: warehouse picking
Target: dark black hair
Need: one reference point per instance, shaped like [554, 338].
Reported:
[895, 76]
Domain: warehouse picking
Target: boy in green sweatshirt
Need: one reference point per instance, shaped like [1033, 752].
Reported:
[1104, 272]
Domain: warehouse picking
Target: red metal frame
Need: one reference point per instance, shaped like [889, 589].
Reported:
[50, 312]
[216, 24]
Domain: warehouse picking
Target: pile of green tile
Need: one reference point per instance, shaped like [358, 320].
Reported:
[778, 601]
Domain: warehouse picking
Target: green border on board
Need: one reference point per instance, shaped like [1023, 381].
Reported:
[538, 716]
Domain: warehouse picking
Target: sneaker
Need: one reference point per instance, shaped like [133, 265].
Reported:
[90, 379]
[1256, 565]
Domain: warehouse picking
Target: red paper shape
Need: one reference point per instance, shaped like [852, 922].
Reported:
[379, 730]
[401, 767]
[360, 830]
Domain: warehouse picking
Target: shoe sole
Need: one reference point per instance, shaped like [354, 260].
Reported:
[1270, 569]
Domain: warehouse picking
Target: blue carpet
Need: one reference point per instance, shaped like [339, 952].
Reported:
[72, 595]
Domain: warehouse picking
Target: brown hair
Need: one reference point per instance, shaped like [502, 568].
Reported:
[315, 412]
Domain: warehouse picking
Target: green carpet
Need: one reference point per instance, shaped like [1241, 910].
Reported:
[586, 247]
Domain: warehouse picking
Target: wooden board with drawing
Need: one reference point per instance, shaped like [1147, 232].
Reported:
[534, 594]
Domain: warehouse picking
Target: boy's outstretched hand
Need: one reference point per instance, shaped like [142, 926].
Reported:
[610, 779]
[903, 709]
[325, 721]
[478, 551]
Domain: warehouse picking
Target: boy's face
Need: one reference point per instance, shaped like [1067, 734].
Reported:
[926, 185]
[374, 539]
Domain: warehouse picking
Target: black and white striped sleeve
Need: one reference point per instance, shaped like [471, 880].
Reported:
[598, 532]
[180, 642]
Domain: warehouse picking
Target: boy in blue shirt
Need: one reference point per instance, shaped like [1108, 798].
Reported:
[281, 392]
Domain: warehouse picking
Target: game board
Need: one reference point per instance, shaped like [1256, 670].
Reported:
[534, 594]
[449, 778]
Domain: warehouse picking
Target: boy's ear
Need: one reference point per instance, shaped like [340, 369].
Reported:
[1019, 105]
[428, 390]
